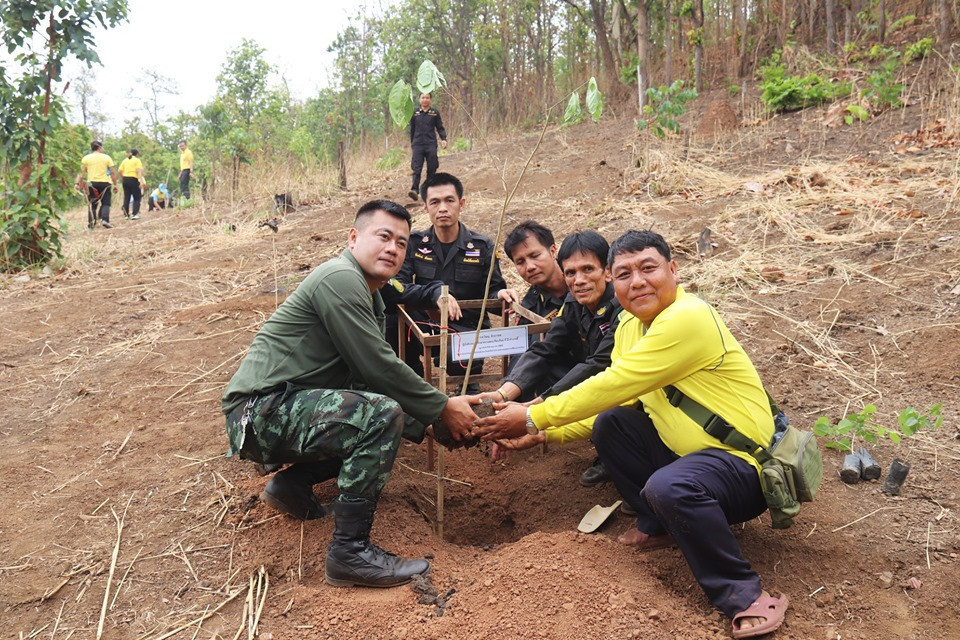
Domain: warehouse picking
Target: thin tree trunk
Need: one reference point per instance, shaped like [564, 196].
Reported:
[882, 27]
[743, 40]
[643, 49]
[831, 26]
[598, 9]
[667, 45]
[943, 23]
[698, 65]
[342, 164]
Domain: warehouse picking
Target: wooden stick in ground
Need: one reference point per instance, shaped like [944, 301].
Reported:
[113, 566]
[444, 319]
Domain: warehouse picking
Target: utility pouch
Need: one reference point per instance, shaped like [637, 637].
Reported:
[800, 457]
[775, 480]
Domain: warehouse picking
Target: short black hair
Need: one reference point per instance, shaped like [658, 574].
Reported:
[183, 142]
[134, 152]
[96, 144]
[438, 180]
[586, 242]
[394, 209]
[519, 234]
[634, 241]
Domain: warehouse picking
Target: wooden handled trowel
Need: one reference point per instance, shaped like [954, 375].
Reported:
[596, 517]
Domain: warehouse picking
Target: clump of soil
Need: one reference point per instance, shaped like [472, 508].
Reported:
[718, 117]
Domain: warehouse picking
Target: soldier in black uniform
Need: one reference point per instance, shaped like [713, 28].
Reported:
[448, 253]
[425, 125]
[582, 330]
[533, 251]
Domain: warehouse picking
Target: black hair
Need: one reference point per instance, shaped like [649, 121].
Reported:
[634, 241]
[438, 180]
[183, 142]
[519, 234]
[586, 242]
[95, 145]
[134, 152]
[392, 208]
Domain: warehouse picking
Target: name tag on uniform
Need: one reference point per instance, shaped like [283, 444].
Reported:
[420, 256]
[471, 260]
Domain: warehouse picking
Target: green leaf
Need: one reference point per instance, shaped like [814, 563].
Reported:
[401, 103]
[429, 77]
[594, 100]
[573, 113]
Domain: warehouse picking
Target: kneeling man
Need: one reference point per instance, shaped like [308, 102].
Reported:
[321, 388]
[686, 486]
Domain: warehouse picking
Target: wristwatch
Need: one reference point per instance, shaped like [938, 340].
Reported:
[531, 427]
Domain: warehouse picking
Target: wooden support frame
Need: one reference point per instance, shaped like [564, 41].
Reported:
[429, 342]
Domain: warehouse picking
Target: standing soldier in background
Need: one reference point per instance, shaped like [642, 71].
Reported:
[186, 169]
[99, 171]
[425, 125]
[131, 172]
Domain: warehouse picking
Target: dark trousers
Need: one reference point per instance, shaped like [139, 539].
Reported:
[694, 498]
[131, 191]
[185, 183]
[419, 155]
[153, 204]
[98, 193]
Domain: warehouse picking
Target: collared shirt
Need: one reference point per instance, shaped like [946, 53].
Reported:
[688, 346]
[424, 128]
[128, 168]
[463, 267]
[97, 164]
[541, 302]
[577, 335]
[328, 334]
[186, 159]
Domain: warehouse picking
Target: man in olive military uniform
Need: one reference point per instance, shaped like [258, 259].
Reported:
[449, 253]
[320, 388]
[425, 126]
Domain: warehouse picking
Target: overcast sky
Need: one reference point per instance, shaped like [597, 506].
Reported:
[188, 41]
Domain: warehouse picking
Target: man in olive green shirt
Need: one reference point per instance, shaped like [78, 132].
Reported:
[321, 388]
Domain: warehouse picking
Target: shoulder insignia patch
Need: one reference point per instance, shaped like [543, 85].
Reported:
[426, 238]
[397, 285]
[469, 245]
[601, 310]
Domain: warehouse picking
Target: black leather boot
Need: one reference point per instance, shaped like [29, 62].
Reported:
[291, 491]
[354, 561]
[594, 474]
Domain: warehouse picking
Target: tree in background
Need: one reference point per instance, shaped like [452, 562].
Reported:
[35, 166]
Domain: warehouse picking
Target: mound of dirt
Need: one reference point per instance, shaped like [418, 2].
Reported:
[718, 117]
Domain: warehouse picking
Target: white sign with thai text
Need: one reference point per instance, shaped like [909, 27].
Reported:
[493, 342]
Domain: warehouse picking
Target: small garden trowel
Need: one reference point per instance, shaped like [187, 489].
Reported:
[596, 517]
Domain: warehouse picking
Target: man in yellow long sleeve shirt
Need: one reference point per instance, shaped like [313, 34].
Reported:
[686, 486]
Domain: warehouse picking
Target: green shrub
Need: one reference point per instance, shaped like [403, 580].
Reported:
[883, 90]
[905, 21]
[918, 50]
[664, 106]
[782, 91]
[460, 144]
[392, 159]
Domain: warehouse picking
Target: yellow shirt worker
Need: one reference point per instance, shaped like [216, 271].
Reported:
[686, 486]
[131, 172]
[186, 169]
[99, 171]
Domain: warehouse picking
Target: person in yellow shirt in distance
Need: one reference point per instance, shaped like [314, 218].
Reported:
[131, 174]
[97, 172]
[186, 169]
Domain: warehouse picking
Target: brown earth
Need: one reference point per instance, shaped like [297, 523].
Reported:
[836, 262]
[718, 117]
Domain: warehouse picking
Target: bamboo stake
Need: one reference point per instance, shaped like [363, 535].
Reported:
[113, 565]
[444, 319]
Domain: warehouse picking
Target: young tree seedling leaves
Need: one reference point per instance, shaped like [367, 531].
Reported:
[401, 103]
[594, 100]
[429, 77]
[573, 113]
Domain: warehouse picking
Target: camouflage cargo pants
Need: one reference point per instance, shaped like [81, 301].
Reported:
[360, 428]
